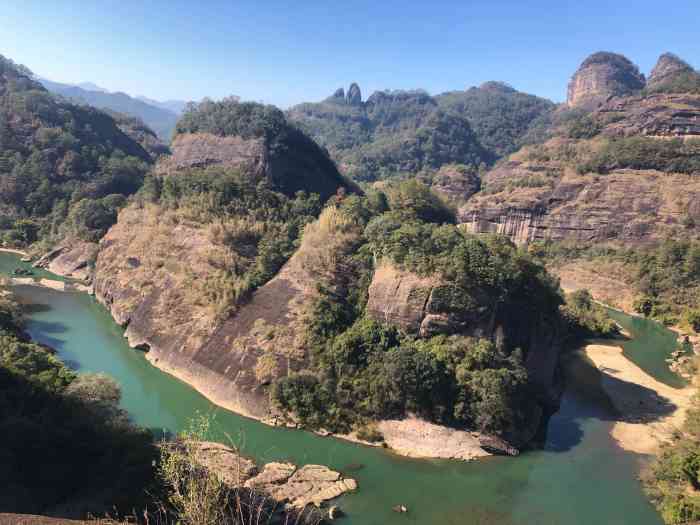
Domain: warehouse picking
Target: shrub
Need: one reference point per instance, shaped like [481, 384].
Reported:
[692, 317]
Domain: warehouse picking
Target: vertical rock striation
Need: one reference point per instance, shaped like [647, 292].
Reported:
[601, 76]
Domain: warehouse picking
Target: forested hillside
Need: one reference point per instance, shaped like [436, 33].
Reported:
[399, 133]
[64, 169]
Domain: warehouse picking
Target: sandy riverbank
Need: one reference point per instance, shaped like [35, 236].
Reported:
[12, 250]
[649, 410]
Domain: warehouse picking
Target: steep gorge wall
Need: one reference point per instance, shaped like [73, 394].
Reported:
[629, 206]
[140, 278]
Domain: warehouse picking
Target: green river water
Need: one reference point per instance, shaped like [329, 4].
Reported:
[581, 477]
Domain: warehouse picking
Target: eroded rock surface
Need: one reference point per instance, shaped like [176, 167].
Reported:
[146, 271]
[284, 482]
[201, 150]
[601, 76]
[71, 259]
[456, 183]
[668, 68]
[658, 115]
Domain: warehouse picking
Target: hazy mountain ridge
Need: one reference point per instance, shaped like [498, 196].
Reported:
[159, 118]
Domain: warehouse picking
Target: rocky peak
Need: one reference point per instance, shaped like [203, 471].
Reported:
[354, 96]
[667, 67]
[601, 76]
[339, 94]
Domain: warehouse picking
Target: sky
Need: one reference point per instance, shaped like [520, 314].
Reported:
[284, 53]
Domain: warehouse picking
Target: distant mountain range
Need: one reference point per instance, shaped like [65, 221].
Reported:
[159, 116]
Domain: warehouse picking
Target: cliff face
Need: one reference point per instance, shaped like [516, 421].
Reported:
[144, 275]
[547, 192]
[419, 305]
[202, 150]
[668, 68]
[658, 115]
[601, 76]
[629, 206]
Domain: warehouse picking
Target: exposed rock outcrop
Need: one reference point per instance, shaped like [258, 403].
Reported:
[71, 259]
[657, 115]
[354, 96]
[456, 183]
[601, 76]
[284, 482]
[201, 150]
[338, 94]
[418, 305]
[421, 306]
[667, 68]
[231, 361]
[626, 205]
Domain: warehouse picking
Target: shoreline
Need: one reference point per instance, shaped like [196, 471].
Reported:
[461, 445]
[15, 251]
[649, 411]
[430, 441]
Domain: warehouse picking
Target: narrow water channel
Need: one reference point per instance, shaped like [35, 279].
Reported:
[581, 477]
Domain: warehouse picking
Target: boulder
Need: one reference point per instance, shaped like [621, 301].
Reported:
[284, 482]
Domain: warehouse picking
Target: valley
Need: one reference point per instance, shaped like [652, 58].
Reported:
[398, 301]
[538, 485]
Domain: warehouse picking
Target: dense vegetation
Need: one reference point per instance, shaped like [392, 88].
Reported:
[366, 370]
[65, 445]
[666, 277]
[294, 160]
[501, 116]
[57, 161]
[401, 132]
[673, 481]
[644, 153]
[256, 226]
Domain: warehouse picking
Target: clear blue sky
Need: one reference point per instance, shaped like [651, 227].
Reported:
[288, 52]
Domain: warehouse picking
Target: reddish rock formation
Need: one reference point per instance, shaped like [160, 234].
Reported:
[667, 68]
[658, 115]
[601, 76]
[201, 150]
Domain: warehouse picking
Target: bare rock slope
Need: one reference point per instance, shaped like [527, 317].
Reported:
[601, 76]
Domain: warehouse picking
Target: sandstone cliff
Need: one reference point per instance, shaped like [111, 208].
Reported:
[601, 76]
[420, 306]
[668, 68]
[145, 274]
[548, 191]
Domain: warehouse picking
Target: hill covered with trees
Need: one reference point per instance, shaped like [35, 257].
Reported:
[395, 133]
[63, 168]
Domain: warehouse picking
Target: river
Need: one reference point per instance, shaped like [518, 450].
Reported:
[581, 477]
